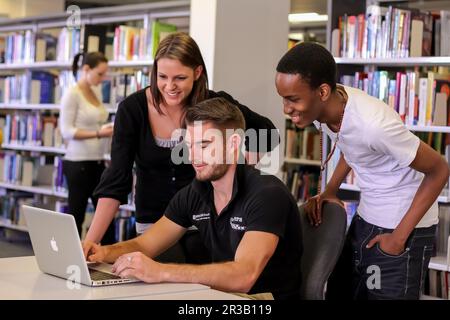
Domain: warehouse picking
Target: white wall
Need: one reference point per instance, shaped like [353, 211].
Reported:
[242, 42]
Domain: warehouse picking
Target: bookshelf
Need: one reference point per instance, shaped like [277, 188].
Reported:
[394, 62]
[343, 10]
[20, 147]
[301, 164]
[406, 42]
[129, 63]
[68, 65]
[40, 107]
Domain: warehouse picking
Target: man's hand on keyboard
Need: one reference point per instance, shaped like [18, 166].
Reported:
[137, 265]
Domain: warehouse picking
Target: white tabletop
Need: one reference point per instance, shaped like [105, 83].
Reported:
[207, 294]
[20, 278]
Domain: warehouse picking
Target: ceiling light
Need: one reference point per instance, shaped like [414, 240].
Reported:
[307, 17]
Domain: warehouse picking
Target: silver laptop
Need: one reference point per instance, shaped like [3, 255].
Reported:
[58, 250]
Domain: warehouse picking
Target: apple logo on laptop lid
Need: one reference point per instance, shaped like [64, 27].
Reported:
[53, 244]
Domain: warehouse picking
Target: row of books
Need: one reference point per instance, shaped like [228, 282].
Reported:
[125, 43]
[11, 211]
[19, 47]
[32, 129]
[439, 141]
[420, 98]
[392, 33]
[439, 281]
[25, 170]
[302, 143]
[302, 182]
[39, 87]
[10, 206]
[331, 165]
[29, 46]
[68, 44]
[443, 231]
[29, 87]
[118, 86]
[439, 284]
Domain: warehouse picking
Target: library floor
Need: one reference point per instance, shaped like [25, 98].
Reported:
[14, 244]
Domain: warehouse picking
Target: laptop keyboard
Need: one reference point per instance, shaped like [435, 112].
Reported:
[99, 275]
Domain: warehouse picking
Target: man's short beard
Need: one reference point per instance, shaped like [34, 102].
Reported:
[218, 172]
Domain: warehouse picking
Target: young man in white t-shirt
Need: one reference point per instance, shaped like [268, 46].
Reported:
[390, 240]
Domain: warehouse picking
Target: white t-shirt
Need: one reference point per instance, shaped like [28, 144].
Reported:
[379, 148]
[78, 113]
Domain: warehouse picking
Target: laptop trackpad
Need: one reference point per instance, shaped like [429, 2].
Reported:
[99, 266]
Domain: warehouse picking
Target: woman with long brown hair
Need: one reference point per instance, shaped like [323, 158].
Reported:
[143, 130]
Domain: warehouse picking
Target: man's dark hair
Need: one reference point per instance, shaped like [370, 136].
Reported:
[312, 62]
[219, 111]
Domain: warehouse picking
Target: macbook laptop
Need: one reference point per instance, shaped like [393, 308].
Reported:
[58, 250]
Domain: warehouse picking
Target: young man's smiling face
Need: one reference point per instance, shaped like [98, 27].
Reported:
[207, 151]
[300, 102]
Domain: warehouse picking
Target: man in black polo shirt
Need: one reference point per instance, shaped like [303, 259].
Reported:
[248, 221]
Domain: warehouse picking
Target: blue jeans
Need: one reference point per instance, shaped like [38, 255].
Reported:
[371, 274]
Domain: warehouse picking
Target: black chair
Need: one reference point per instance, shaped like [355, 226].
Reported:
[322, 247]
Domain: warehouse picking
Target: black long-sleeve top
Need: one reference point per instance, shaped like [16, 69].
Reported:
[157, 177]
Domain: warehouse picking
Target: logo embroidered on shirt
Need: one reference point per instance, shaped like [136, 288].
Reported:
[201, 216]
[236, 223]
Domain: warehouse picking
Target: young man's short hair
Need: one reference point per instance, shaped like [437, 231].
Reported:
[312, 62]
[219, 111]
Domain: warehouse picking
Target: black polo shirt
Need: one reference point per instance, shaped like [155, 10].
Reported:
[259, 202]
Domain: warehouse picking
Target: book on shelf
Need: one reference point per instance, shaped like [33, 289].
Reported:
[59, 179]
[31, 129]
[120, 85]
[94, 38]
[411, 93]
[10, 206]
[19, 47]
[29, 87]
[20, 170]
[301, 182]
[302, 143]
[444, 35]
[443, 231]
[68, 44]
[131, 43]
[159, 32]
[45, 47]
[390, 32]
